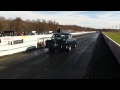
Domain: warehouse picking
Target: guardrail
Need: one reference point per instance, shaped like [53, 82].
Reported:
[15, 44]
[115, 47]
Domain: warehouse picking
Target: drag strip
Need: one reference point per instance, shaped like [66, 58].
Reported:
[40, 64]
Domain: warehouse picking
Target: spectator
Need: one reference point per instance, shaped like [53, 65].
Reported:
[59, 31]
[19, 34]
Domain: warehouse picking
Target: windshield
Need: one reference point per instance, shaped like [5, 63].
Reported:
[58, 36]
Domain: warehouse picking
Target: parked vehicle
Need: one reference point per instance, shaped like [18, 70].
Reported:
[8, 33]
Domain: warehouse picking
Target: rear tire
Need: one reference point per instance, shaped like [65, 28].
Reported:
[51, 50]
[61, 49]
[74, 46]
[68, 49]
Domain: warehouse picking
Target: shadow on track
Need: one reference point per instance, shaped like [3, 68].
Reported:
[103, 63]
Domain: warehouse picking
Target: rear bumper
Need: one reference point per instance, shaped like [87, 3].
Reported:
[62, 45]
[58, 46]
[52, 46]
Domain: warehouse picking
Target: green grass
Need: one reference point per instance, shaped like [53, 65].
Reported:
[114, 36]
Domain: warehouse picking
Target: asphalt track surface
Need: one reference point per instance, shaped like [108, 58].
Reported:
[103, 63]
[92, 59]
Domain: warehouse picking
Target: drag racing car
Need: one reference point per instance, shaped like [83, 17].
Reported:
[62, 41]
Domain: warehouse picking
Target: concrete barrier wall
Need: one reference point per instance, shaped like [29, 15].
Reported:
[8, 46]
[115, 47]
[28, 43]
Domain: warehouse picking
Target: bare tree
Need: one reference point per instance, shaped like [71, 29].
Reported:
[39, 25]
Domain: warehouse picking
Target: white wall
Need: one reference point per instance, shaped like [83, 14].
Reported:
[29, 42]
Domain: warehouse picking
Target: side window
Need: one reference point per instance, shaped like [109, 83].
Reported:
[69, 36]
[53, 37]
[66, 37]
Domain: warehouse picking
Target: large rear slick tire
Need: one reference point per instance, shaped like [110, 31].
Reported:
[74, 46]
[68, 49]
[51, 50]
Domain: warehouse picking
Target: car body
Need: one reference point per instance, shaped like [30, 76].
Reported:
[62, 41]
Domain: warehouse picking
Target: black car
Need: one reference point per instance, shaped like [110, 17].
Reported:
[62, 41]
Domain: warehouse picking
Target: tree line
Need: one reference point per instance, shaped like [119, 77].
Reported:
[20, 25]
[39, 25]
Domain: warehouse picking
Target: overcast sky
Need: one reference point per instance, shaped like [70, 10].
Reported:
[93, 19]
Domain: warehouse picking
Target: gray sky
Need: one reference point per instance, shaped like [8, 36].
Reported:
[93, 19]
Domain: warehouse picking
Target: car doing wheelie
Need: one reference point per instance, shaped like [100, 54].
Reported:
[61, 41]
